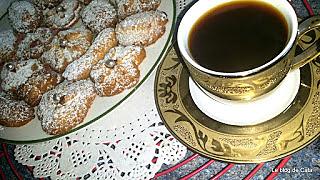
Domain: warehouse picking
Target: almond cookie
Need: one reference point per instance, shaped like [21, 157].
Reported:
[43, 4]
[8, 46]
[80, 69]
[66, 47]
[64, 15]
[98, 15]
[129, 7]
[14, 113]
[64, 107]
[118, 70]
[28, 80]
[24, 16]
[34, 44]
[143, 28]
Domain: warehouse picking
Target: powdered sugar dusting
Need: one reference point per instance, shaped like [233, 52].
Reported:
[98, 15]
[124, 75]
[73, 53]
[23, 16]
[147, 5]
[40, 82]
[33, 45]
[142, 28]
[12, 111]
[56, 57]
[65, 106]
[127, 53]
[76, 36]
[43, 4]
[103, 39]
[7, 45]
[80, 69]
[23, 70]
[110, 82]
[64, 15]
[66, 47]
[130, 7]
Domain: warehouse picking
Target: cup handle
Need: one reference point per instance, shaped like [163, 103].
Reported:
[314, 50]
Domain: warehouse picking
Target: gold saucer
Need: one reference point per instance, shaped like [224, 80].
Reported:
[290, 131]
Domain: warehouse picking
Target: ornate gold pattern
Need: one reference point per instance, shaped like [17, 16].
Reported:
[242, 87]
[275, 78]
[313, 123]
[271, 145]
[245, 143]
[287, 133]
[296, 136]
[185, 134]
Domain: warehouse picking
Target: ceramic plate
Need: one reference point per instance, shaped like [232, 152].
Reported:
[32, 132]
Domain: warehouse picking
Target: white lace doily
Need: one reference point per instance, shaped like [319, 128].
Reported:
[129, 143]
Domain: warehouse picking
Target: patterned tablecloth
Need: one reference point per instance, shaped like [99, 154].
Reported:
[142, 148]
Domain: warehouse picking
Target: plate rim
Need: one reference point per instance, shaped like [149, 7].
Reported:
[162, 55]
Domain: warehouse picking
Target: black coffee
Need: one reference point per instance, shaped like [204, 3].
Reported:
[238, 36]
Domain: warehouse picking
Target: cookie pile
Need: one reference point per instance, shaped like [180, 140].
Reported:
[60, 54]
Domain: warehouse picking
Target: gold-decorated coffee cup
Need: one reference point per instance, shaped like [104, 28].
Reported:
[249, 83]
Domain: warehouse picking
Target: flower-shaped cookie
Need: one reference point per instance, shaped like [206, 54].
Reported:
[66, 47]
[65, 106]
[98, 15]
[64, 15]
[118, 70]
[28, 80]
